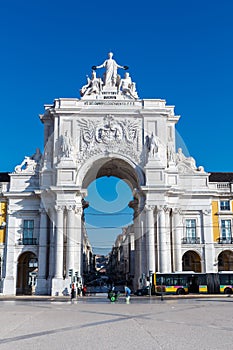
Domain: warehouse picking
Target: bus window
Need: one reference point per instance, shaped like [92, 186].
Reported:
[224, 279]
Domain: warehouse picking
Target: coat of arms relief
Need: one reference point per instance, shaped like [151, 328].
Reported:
[110, 135]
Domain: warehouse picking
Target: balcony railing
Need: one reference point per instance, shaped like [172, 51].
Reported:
[228, 240]
[28, 241]
[191, 240]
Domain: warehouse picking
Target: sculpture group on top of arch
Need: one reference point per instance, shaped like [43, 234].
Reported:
[111, 81]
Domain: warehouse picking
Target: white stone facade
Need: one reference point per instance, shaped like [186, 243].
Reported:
[108, 131]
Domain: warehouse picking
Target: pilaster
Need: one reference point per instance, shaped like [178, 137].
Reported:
[162, 240]
[177, 236]
[9, 286]
[58, 273]
[71, 241]
[209, 262]
[150, 238]
[41, 287]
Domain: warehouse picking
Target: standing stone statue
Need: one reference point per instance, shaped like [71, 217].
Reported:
[111, 66]
[66, 145]
[151, 145]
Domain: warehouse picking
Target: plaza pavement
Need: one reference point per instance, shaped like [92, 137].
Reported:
[182, 322]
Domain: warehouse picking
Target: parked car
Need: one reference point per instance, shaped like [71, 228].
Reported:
[143, 291]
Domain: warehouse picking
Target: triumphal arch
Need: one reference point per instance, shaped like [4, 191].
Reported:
[108, 131]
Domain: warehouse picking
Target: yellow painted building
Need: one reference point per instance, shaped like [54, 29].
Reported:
[3, 212]
[215, 218]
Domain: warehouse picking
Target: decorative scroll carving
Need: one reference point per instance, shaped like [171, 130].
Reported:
[109, 135]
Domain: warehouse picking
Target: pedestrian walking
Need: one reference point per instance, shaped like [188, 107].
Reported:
[127, 294]
[72, 293]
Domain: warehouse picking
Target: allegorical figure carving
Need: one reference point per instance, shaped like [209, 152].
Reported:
[127, 86]
[93, 86]
[66, 145]
[189, 161]
[29, 164]
[110, 76]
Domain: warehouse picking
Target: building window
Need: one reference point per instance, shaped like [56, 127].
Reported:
[224, 205]
[191, 232]
[225, 231]
[28, 231]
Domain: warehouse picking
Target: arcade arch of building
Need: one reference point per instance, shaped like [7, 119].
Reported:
[225, 261]
[27, 268]
[191, 261]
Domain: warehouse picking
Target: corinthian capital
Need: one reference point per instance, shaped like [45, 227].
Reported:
[59, 207]
[149, 207]
[163, 208]
[70, 207]
[177, 210]
[78, 210]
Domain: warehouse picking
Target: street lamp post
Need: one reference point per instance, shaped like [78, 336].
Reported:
[150, 285]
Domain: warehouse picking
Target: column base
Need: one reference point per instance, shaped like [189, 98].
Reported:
[60, 287]
[9, 287]
[42, 287]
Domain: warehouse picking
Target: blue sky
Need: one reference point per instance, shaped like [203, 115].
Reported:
[108, 212]
[180, 51]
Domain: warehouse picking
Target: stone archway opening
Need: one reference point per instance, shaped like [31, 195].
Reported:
[225, 261]
[191, 261]
[110, 186]
[108, 207]
[27, 269]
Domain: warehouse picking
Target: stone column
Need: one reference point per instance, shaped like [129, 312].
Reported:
[70, 238]
[42, 258]
[58, 273]
[137, 261]
[78, 240]
[162, 240]
[168, 239]
[52, 233]
[9, 282]
[150, 239]
[143, 247]
[177, 237]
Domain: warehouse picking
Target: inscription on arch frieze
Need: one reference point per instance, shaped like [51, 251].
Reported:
[109, 135]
